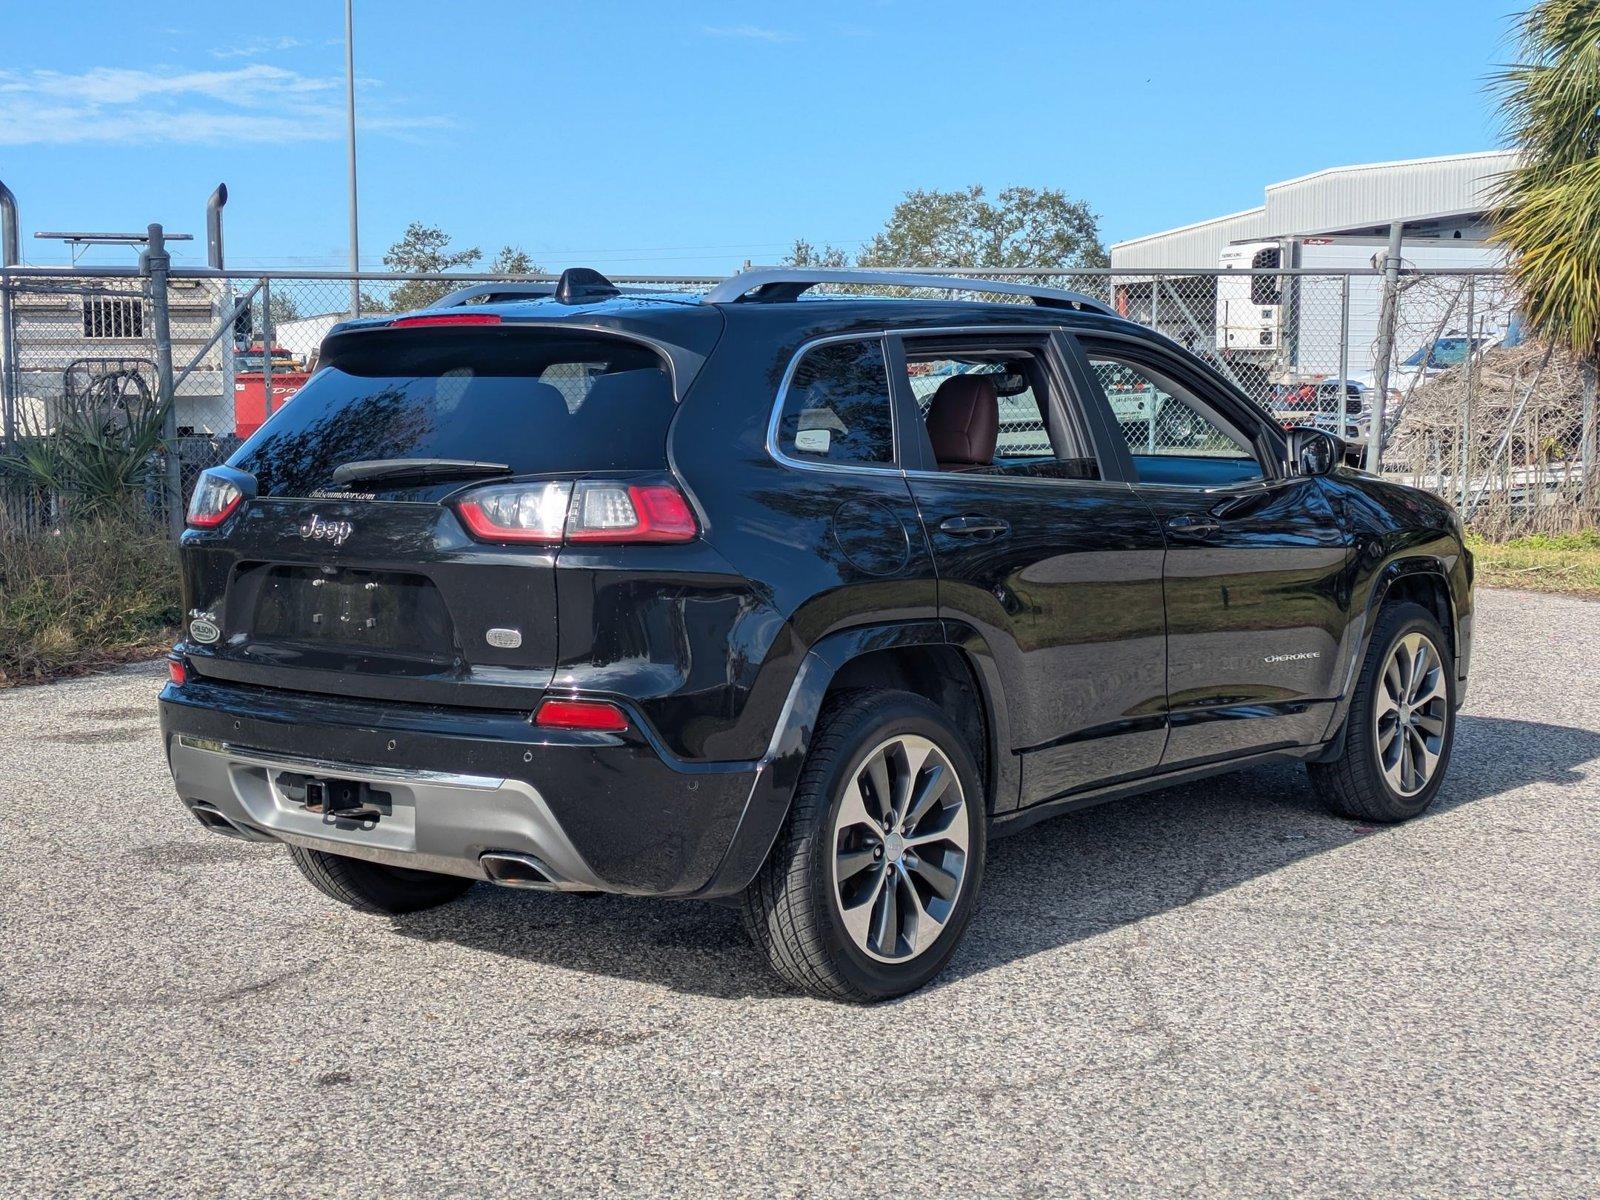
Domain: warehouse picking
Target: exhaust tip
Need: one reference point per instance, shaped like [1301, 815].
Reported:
[213, 820]
[520, 871]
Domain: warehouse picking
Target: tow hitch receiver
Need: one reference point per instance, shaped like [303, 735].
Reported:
[341, 800]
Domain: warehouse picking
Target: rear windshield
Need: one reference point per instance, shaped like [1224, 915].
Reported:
[537, 401]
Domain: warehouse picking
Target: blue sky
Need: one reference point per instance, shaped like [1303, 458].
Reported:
[665, 137]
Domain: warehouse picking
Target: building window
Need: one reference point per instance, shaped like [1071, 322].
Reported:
[113, 318]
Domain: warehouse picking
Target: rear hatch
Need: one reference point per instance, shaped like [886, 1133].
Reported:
[364, 581]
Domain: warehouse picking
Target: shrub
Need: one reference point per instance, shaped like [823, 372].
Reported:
[88, 594]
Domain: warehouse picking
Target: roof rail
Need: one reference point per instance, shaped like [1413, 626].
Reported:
[787, 283]
[488, 293]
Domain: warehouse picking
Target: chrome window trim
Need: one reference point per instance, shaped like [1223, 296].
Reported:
[1028, 480]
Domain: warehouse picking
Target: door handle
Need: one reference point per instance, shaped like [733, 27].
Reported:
[1191, 526]
[985, 527]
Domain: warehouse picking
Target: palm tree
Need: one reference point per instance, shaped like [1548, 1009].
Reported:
[1548, 206]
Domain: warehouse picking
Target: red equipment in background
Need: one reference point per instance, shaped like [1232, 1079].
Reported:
[250, 397]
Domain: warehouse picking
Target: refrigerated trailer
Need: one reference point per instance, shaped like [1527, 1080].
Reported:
[1291, 329]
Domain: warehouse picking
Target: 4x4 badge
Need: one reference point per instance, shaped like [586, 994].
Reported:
[326, 531]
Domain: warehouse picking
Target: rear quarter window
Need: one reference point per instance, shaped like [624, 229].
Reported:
[836, 408]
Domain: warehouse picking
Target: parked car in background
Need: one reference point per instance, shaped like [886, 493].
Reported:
[251, 358]
[787, 602]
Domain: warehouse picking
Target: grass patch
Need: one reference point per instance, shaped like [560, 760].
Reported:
[84, 596]
[1542, 562]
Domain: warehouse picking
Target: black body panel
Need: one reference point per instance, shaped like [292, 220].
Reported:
[1109, 651]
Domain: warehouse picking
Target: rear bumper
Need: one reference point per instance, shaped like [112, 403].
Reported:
[605, 812]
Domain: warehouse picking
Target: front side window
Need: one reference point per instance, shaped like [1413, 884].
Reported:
[836, 409]
[1162, 419]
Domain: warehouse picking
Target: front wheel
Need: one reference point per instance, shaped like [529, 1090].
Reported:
[1401, 726]
[875, 873]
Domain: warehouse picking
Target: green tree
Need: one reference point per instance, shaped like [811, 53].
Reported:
[1548, 211]
[424, 249]
[804, 254]
[513, 260]
[1022, 227]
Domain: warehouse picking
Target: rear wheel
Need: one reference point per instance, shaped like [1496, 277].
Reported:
[374, 887]
[875, 873]
[1401, 726]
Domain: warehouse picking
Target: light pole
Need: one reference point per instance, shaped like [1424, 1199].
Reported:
[350, 122]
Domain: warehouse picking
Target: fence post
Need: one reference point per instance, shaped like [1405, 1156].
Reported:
[1388, 317]
[1336, 419]
[10, 254]
[266, 348]
[1464, 425]
[8, 376]
[1588, 434]
[157, 263]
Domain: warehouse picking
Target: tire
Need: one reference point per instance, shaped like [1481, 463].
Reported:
[823, 861]
[373, 887]
[1367, 782]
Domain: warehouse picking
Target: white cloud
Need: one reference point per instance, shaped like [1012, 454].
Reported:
[259, 46]
[254, 103]
[755, 33]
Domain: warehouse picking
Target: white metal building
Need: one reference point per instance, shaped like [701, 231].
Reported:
[1435, 198]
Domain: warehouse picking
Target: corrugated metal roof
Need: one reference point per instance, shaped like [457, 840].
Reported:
[1327, 201]
[1201, 242]
[1377, 193]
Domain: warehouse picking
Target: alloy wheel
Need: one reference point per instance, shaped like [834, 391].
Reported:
[900, 846]
[1411, 714]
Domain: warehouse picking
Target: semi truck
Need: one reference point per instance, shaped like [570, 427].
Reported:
[1284, 330]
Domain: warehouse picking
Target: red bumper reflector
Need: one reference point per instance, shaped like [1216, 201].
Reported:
[594, 715]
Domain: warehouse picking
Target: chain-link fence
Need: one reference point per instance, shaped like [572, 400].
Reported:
[1468, 410]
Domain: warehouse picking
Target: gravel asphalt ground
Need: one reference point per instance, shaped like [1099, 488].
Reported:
[1216, 990]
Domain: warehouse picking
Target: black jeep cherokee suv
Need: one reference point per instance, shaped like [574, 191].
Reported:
[790, 601]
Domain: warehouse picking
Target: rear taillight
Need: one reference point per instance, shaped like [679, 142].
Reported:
[614, 512]
[596, 716]
[517, 512]
[590, 510]
[213, 501]
[177, 671]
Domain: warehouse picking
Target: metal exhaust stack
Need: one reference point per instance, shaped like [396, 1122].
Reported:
[10, 238]
[214, 225]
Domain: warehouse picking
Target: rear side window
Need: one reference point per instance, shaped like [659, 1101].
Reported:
[836, 409]
[536, 401]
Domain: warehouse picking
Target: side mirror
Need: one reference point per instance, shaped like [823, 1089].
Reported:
[1314, 451]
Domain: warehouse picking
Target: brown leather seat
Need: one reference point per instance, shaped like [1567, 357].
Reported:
[964, 422]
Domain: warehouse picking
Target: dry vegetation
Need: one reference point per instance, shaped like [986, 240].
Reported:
[1541, 457]
[82, 597]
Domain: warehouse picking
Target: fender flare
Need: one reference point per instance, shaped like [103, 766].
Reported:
[779, 768]
[1404, 566]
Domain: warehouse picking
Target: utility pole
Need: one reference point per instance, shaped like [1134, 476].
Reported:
[1384, 351]
[350, 124]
